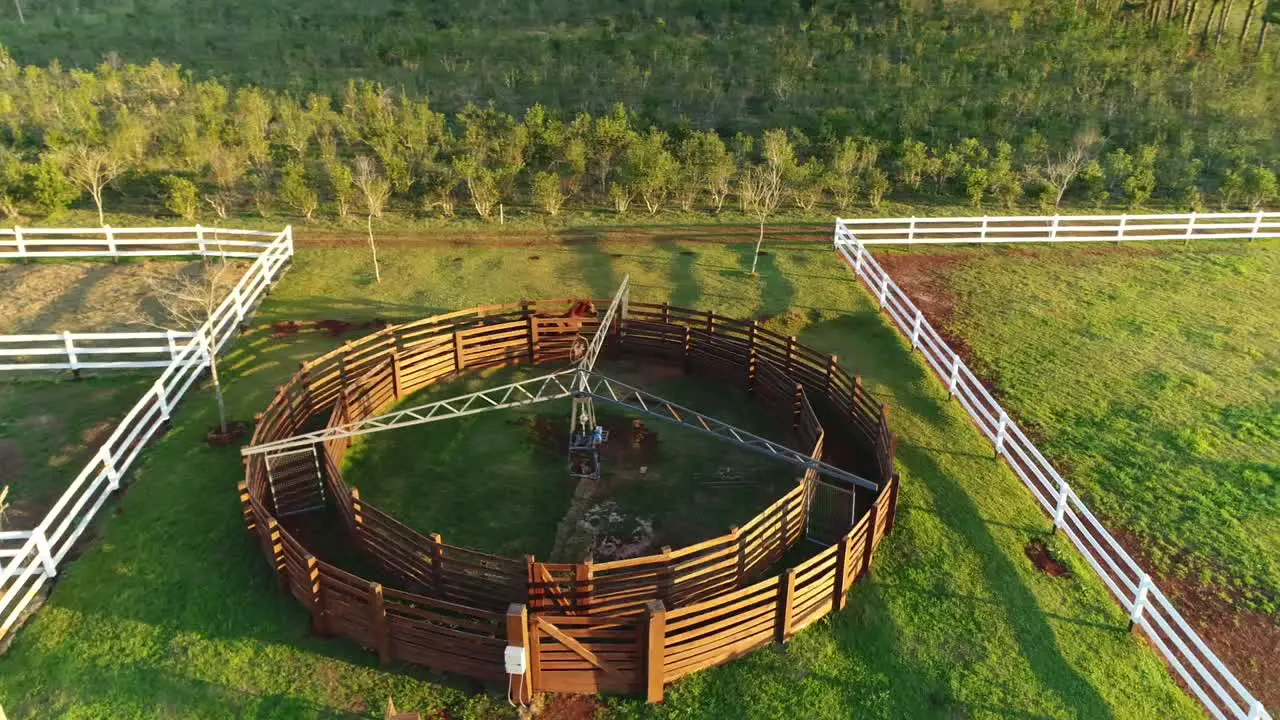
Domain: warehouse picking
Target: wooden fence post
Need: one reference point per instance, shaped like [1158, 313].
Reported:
[459, 359]
[357, 508]
[870, 545]
[894, 482]
[316, 606]
[378, 623]
[711, 322]
[751, 356]
[666, 579]
[791, 352]
[797, 407]
[533, 598]
[518, 636]
[740, 571]
[786, 597]
[842, 573]
[437, 563]
[246, 508]
[666, 313]
[533, 339]
[688, 345]
[395, 374]
[583, 575]
[654, 649]
[833, 362]
[276, 546]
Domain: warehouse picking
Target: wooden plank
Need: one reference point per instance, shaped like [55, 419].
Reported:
[574, 645]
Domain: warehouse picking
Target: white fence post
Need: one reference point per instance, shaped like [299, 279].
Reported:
[1257, 227]
[1255, 709]
[173, 344]
[983, 236]
[46, 553]
[915, 330]
[113, 474]
[162, 401]
[111, 242]
[200, 239]
[1140, 600]
[955, 374]
[911, 230]
[857, 259]
[1000, 432]
[1191, 226]
[1053, 228]
[1124, 220]
[17, 236]
[288, 234]
[71, 351]
[238, 302]
[884, 287]
[1060, 512]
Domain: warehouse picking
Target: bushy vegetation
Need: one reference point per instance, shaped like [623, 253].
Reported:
[471, 108]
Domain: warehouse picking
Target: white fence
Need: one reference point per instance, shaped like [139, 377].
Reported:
[1064, 228]
[1211, 681]
[76, 351]
[31, 558]
[24, 243]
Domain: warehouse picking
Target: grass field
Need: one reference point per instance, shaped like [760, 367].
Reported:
[511, 466]
[1153, 375]
[173, 613]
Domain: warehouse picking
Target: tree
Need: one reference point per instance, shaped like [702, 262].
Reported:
[188, 300]
[1260, 186]
[1094, 179]
[181, 196]
[92, 169]
[843, 171]
[374, 190]
[912, 163]
[1004, 182]
[878, 184]
[1061, 169]
[1141, 181]
[295, 190]
[808, 184]
[51, 189]
[653, 168]
[547, 193]
[13, 183]
[976, 182]
[708, 165]
[761, 190]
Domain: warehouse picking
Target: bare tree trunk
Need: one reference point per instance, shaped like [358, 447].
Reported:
[97, 200]
[217, 387]
[377, 275]
[1208, 23]
[21, 19]
[1222, 21]
[1248, 20]
[1262, 36]
[759, 241]
[1190, 19]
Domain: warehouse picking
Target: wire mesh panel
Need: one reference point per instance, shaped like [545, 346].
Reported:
[295, 481]
[831, 510]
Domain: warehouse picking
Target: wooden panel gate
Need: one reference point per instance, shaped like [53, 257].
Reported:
[583, 654]
[295, 482]
[832, 506]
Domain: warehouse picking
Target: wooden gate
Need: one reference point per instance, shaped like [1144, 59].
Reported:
[832, 506]
[582, 654]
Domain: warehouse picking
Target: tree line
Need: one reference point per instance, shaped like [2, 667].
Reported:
[150, 135]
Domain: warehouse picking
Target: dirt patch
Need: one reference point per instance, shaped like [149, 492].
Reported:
[41, 421]
[235, 431]
[1038, 553]
[98, 432]
[570, 707]
[332, 328]
[12, 461]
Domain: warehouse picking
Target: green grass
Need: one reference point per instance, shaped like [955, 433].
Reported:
[175, 614]
[1155, 379]
[49, 429]
[513, 464]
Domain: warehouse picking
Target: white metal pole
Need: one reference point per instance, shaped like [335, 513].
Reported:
[113, 475]
[1060, 512]
[1140, 600]
[71, 350]
[46, 553]
[1000, 431]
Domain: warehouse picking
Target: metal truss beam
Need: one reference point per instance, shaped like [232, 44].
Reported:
[616, 306]
[622, 395]
[525, 392]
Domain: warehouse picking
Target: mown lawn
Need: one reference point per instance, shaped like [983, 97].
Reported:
[1153, 375]
[174, 613]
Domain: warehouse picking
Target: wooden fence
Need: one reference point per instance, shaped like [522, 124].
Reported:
[587, 626]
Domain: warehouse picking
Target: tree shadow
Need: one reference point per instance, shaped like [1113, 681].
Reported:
[685, 289]
[70, 300]
[595, 266]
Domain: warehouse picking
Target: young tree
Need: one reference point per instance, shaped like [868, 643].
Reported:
[1140, 185]
[761, 190]
[912, 163]
[13, 183]
[92, 169]
[1004, 182]
[374, 190]
[181, 196]
[547, 193]
[808, 184]
[843, 171]
[1260, 186]
[877, 182]
[51, 189]
[976, 182]
[652, 167]
[188, 300]
[706, 165]
[296, 191]
[1061, 169]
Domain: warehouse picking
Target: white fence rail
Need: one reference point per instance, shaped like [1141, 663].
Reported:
[1148, 608]
[28, 561]
[1064, 228]
[199, 241]
[91, 351]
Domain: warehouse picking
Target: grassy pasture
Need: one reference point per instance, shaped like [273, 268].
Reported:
[1153, 375]
[174, 614]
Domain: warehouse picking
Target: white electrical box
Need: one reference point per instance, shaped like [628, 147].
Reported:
[517, 660]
